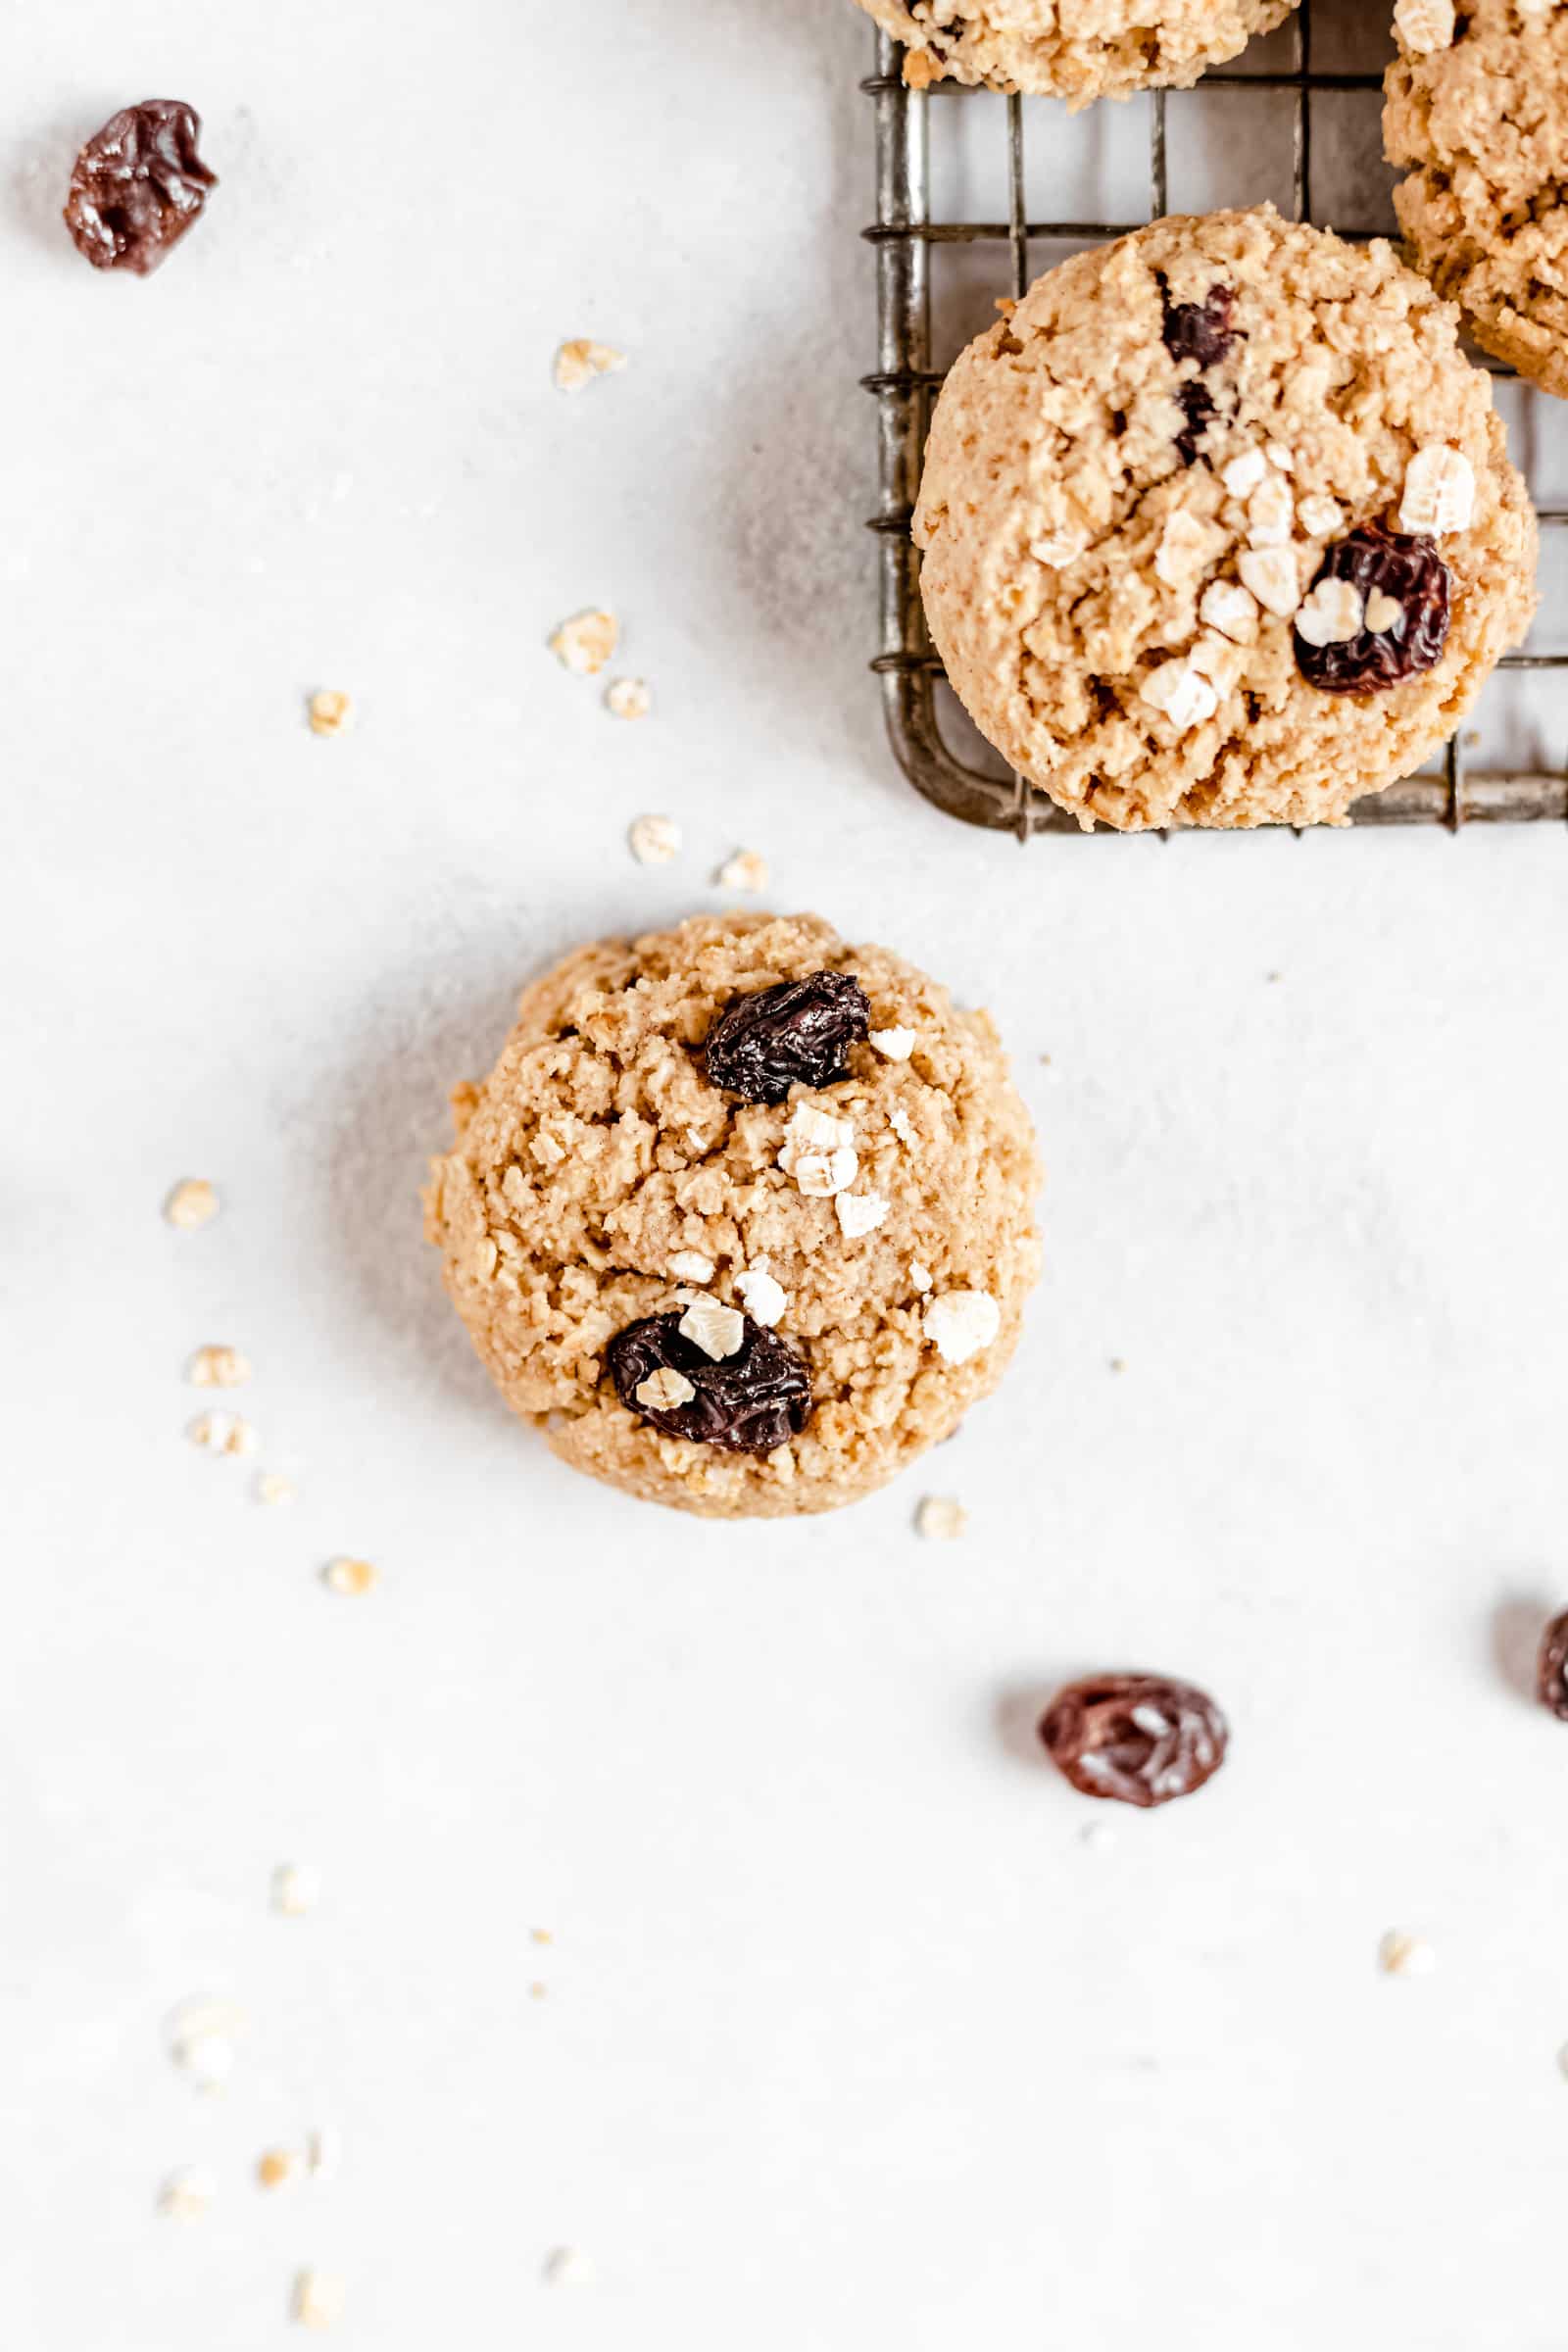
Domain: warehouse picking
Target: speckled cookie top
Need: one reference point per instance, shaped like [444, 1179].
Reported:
[1219, 527]
[1478, 112]
[871, 1226]
[1072, 49]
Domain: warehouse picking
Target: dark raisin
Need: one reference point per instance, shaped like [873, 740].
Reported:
[1410, 572]
[1198, 407]
[796, 1034]
[1552, 1673]
[1201, 330]
[1139, 1738]
[137, 186]
[752, 1402]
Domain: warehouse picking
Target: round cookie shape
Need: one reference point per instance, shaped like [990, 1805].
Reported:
[1073, 49]
[1219, 527]
[668, 1274]
[1477, 112]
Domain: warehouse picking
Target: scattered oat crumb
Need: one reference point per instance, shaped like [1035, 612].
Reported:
[355, 1577]
[1273, 978]
[273, 1486]
[542, 1935]
[192, 1203]
[1118, 1364]
[538, 1991]
[566, 2266]
[655, 840]
[187, 2194]
[319, 2299]
[1098, 1836]
[296, 1889]
[1562, 2060]
[276, 2166]
[324, 2154]
[201, 2041]
[1400, 1954]
[580, 360]
[628, 697]
[585, 642]
[941, 1518]
[222, 1433]
[219, 1368]
[746, 870]
[330, 713]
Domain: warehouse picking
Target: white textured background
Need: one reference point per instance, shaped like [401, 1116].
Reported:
[850, 2039]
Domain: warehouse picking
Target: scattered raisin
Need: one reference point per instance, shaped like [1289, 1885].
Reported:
[752, 1402]
[1201, 330]
[1410, 572]
[137, 186]
[1139, 1738]
[1552, 1674]
[795, 1034]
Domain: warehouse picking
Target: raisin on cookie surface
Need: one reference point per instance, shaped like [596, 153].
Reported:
[1477, 112]
[750, 1289]
[1072, 49]
[1219, 527]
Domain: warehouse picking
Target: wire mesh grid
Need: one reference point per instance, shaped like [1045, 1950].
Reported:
[906, 234]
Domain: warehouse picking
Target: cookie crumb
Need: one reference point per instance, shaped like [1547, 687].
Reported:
[219, 1368]
[329, 712]
[564, 2267]
[296, 1889]
[581, 359]
[319, 2299]
[201, 2041]
[655, 840]
[1400, 1954]
[271, 1486]
[584, 643]
[324, 2154]
[276, 2166]
[353, 1577]
[894, 1045]
[764, 1299]
[666, 1389]
[941, 1518]
[222, 1433]
[960, 1323]
[192, 1203]
[628, 697]
[746, 870]
[187, 2194]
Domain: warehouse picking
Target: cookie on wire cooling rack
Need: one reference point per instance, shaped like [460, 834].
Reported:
[1478, 113]
[1219, 527]
[742, 1217]
[1072, 49]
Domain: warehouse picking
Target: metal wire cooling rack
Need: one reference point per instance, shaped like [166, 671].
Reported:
[905, 385]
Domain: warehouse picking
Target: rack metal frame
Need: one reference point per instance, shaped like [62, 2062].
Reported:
[905, 384]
